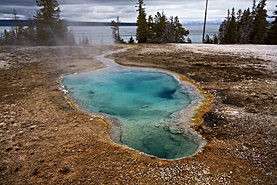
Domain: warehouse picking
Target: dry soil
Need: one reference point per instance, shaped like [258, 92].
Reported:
[43, 140]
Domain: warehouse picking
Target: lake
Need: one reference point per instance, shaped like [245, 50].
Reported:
[98, 35]
[103, 34]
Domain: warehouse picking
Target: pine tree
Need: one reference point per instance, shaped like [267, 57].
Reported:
[246, 27]
[231, 29]
[253, 13]
[179, 31]
[189, 40]
[225, 29]
[151, 25]
[208, 40]
[159, 28]
[215, 39]
[51, 30]
[222, 32]
[131, 41]
[239, 26]
[142, 27]
[236, 29]
[260, 24]
[272, 33]
[250, 27]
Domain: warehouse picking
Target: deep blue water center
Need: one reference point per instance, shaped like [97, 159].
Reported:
[144, 102]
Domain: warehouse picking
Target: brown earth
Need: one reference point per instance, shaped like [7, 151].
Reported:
[45, 141]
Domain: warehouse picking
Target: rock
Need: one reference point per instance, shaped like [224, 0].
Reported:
[32, 127]
[9, 149]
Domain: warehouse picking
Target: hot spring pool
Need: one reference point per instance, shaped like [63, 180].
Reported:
[146, 109]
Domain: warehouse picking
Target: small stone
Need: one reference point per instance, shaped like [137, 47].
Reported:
[9, 149]
[32, 127]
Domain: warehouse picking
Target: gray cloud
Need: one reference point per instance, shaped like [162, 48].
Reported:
[23, 12]
[105, 10]
[18, 2]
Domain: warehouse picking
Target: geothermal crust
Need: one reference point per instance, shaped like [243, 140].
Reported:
[45, 141]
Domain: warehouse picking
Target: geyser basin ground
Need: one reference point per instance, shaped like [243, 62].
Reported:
[148, 110]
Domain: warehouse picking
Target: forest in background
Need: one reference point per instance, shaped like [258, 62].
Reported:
[247, 27]
[48, 30]
[154, 29]
[241, 27]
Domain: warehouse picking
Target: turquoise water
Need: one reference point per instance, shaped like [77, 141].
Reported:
[144, 103]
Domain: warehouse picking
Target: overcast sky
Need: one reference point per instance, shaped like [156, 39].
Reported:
[106, 10]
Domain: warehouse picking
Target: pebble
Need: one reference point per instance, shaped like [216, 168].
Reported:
[9, 149]
[32, 127]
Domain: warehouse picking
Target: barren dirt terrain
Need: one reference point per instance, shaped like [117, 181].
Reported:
[43, 140]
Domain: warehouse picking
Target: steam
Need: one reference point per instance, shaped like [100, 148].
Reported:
[92, 35]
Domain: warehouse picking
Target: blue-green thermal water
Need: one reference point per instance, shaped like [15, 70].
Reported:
[144, 102]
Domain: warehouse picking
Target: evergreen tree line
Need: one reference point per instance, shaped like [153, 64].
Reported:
[248, 26]
[159, 29]
[209, 40]
[46, 29]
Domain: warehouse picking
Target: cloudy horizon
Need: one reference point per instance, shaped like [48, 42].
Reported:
[107, 10]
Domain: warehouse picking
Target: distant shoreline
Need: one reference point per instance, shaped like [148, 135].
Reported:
[69, 23]
[78, 23]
